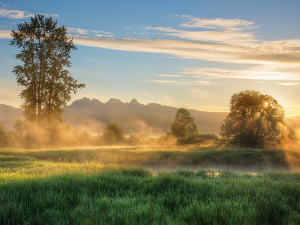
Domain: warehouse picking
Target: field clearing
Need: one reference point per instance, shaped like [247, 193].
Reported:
[156, 185]
[163, 158]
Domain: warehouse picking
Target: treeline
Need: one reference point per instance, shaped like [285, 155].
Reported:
[31, 135]
[255, 120]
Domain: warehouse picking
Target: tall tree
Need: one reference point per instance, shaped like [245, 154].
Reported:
[255, 120]
[184, 127]
[45, 54]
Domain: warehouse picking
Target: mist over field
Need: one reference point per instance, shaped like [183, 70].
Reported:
[135, 118]
[149, 112]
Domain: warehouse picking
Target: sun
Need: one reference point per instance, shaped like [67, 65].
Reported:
[266, 104]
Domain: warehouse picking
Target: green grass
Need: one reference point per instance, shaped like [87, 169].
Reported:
[34, 190]
[257, 159]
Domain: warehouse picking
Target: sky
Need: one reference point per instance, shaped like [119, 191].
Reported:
[192, 54]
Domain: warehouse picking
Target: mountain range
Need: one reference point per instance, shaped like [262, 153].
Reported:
[135, 118]
[154, 119]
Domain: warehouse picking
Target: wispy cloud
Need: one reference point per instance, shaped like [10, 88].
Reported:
[92, 33]
[205, 82]
[15, 14]
[183, 82]
[169, 75]
[4, 5]
[217, 23]
[5, 34]
[200, 93]
[219, 40]
[171, 82]
[264, 52]
[50, 15]
[288, 84]
[261, 73]
[206, 75]
[207, 36]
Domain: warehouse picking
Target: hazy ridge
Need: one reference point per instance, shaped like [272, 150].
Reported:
[134, 117]
[92, 115]
[153, 119]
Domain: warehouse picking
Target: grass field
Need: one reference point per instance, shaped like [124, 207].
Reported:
[99, 186]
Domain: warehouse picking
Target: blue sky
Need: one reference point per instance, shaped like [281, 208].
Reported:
[192, 54]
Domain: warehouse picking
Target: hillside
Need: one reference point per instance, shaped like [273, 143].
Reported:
[134, 117]
[8, 116]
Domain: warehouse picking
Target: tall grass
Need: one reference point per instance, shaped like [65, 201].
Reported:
[258, 159]
[64, 191]
[134, 196]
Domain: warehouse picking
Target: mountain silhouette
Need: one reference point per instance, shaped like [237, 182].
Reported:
[93, 115]
[8, 116]
[134, 117]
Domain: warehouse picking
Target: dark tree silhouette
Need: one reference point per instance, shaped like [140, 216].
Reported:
[255, 120]
[184, 127]
[3, 137]
[45, 53]
[113, 134]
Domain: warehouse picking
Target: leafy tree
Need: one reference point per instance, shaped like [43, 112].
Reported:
[113, 134]
[255, 120]
[45, 53]
[184, 127]
[168, 139]
[3, 137]
[19, 129]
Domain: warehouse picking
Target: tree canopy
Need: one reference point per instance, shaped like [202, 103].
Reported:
[113, 134]
[184, 127]
[45, 55]
[255, 120]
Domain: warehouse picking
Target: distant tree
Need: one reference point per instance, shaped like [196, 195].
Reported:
[19, 129]
[206, 139]
[168, 139]
[45, 53]
[184, 127]
[140, 139]
[255, 120]
[3, 137]
[113, 134]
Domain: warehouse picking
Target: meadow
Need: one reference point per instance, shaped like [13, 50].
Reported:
[149, 185]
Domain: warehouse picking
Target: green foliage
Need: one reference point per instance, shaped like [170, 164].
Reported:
[184, 127]
[255, 160]
[140, 139]
[7, 139]
[45, 53]
[113, 134]
[167, 140]
[255, 120]
[3, 138]
[205, 139]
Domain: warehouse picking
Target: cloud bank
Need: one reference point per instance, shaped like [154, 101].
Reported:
[14, 14]
[218, 40]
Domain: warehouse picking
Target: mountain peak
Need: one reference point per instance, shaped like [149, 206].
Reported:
[114, 101]
[85, 99]
[133, 101]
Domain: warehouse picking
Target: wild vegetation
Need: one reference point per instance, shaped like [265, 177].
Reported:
[184, 127]
[174, 179]
[255, 120]
[34, 190]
